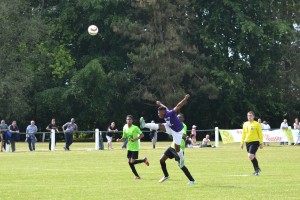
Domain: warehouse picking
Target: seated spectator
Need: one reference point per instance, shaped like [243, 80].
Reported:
[206, 142]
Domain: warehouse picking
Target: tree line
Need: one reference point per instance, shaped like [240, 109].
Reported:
[231, 56]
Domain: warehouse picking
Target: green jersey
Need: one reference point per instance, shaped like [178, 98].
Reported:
[130, 133]
[182, 145]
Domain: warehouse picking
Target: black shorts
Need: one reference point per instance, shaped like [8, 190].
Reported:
[252, 147]
[133, 154]
[171, 153]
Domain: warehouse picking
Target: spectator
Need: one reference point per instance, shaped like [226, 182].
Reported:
[14, 130]
[284, 125]
[265, 127]
[296, 124]
[110, 130]
[153, 136]
[31, 139]
[69, 128]
[206, 142]
[124, 145]
[193, 135]
[52, 126]
[3, 129]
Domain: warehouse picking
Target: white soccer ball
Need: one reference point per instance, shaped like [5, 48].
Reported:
[93, 30]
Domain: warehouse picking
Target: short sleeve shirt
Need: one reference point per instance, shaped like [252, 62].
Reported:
[173, 121]
[130, 133]
[4, 126]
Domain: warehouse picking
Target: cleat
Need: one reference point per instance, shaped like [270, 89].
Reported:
[257, 172]
[163, 179]
[65, 149]
[146, 161]
[191, 183]
[142, 123]
[137, 178]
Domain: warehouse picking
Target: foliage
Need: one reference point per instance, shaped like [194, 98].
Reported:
[231, 56]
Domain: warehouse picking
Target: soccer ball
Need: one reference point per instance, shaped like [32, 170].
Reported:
[93, 30]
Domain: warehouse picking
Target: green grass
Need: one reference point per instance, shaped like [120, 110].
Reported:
[220, 173]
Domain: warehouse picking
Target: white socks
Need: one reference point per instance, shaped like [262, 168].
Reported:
[180, 154]
[152, 126]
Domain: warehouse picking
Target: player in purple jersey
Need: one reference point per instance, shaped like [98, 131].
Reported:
[173, 125]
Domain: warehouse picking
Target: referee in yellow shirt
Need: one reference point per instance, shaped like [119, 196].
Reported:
[252, 135]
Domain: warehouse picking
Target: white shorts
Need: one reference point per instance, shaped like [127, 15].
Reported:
[109, 139]
[177, 136]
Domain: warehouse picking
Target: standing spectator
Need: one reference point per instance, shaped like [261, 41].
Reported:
[14, 130]
[3, 129]
[193, 135]
[124, 145]
[69, 128]
[31, 139]
[296, 124]
[284, 125]
[153, 136]
[252, 135]
[265, 127]
[52, 126]
[133, 134]
[110, 131]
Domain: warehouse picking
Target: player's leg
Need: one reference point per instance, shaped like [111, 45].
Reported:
[131, 165]
[177, 137]
[167, 154]
[252, 148]
[152, 126]
[188, 175]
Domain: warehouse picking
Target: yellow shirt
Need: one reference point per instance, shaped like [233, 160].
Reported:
[252, 132]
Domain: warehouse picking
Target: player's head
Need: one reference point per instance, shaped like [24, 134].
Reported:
[180, 117]
[129, 119]
[53, 121]
[162, 112]
[250, 116]
[207, 136]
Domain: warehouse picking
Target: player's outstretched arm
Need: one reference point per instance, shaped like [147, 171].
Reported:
[181, 103]
[160, 104]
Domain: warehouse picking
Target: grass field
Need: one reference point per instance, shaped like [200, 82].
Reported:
[82, 173]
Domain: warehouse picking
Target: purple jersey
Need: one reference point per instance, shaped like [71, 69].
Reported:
[172, 120]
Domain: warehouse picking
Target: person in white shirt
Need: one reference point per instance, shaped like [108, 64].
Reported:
[265, 127]
[297, 126]
[284, 125]
[206, 142]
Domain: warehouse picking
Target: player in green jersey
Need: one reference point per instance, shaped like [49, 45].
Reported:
[133, 134]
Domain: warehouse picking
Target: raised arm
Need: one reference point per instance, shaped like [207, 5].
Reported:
[160, 104]
[181, 103]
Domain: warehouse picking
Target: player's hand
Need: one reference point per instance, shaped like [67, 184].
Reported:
[158, 103]
[187, 96]
[242, 146]
[261, 146]
[118, 140]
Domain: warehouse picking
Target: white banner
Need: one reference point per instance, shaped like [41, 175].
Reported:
[278, 135]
